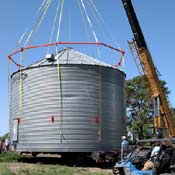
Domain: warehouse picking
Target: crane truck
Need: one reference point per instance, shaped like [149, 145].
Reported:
[163, 119]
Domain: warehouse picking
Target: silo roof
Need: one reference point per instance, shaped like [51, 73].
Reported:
[70, 56]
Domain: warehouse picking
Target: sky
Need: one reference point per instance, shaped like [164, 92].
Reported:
[111, 27]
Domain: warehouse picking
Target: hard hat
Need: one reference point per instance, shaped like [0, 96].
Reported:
[123, 137]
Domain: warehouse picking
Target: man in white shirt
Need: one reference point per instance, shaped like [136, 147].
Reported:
[149, 164]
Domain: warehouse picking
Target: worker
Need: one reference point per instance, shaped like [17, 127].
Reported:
[3, 147]
[168, 148]
[149, 164]
[159, 133]
[0, 146]
[7, 144]
[124, 147]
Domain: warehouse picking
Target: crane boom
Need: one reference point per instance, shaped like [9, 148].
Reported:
[162, 113]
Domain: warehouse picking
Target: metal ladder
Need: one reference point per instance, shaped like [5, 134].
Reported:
[135, 54]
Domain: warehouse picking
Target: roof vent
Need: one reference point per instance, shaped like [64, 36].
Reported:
[50, 57]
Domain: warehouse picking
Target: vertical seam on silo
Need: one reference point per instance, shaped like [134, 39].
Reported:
[20, 89]
[9, 95]
[60, 95]
[100, 103]
[59, 72]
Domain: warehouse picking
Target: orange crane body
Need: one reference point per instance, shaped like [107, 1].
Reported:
[162, 113]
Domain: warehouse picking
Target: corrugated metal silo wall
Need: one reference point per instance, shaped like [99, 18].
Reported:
[76, 127]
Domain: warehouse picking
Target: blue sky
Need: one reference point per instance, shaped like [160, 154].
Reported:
[156, 19]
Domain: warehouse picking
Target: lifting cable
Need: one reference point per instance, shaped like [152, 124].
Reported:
[90, 24]
[40, 20]
[38, 23]
[21, 38]
[97, 21]
[53, 26]
[40, 8]
[96, 14]
[69, 25]
[95, 17]
[41, 13]
[25, 32]
[59, 24]
[103, 24]
[59, 71]
[89, 21]
[83, 19]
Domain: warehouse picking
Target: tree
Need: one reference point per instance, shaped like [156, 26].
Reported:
[140, 105]
[4, 136]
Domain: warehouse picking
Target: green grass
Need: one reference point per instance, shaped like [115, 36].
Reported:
[4, 169]
[9, 157]
[37, 169]
[9, 165]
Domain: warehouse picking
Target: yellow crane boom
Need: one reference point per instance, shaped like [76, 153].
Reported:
[162, 114]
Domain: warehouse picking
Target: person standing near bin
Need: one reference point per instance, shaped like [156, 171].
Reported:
[7, 144]
[124, 147]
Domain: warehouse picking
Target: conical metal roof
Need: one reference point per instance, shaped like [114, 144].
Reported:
[69, 56]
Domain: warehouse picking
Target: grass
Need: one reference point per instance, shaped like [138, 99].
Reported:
[9, 157]
[36, 169]
[9, 165]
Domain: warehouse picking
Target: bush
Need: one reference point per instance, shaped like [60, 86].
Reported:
[9, 157]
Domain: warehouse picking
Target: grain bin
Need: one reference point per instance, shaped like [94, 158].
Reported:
[71, 104]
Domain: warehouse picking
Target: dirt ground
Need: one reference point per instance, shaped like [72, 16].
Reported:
[14, 167]
[39, 168]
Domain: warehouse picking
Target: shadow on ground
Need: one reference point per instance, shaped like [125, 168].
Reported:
[67, 161]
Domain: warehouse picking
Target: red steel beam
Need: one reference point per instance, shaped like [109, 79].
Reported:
[59, 43]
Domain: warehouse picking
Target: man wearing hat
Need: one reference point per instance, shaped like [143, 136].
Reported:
[124, 147]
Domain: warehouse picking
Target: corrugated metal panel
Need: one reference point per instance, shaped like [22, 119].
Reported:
[80, 101]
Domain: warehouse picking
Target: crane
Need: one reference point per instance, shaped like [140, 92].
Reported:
[162, 113]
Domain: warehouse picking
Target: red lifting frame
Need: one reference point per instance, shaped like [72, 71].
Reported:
[59, 43]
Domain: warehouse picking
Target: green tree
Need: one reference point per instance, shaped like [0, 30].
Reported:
[4, 136]
[140, 105]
